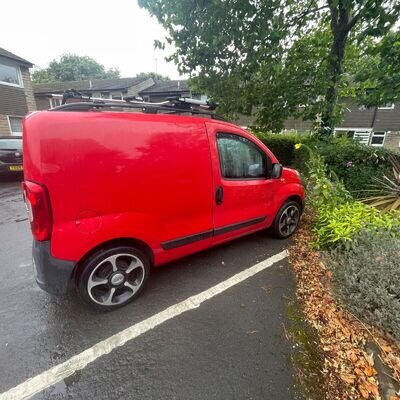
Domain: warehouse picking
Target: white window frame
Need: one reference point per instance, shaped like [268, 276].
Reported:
[52, 99]
[387, 108]
[358, 130]
[372, 135]
[117, 94]
[16, 66]
[9, 125]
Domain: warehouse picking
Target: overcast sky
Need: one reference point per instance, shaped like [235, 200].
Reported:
[115, 33]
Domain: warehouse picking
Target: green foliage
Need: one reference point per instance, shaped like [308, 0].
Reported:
[391, 186]
[378, 72]
[72, 67]
[267, 57]
[367, 274]
[283, 145]
[355, 164]
[153, 75]
[325, 190]
[335, 225]
[338, 217]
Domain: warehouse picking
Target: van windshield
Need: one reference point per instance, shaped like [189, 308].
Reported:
[10, 144]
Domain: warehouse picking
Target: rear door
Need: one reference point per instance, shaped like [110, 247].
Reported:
[242, 189]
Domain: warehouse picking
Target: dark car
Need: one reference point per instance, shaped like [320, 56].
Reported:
[10, 155]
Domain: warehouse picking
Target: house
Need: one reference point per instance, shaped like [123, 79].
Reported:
[150, 90]
[374, 126]
[161, 90]
[103, 88]
[16, 92]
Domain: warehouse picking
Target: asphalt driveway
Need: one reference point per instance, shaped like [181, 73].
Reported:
[232, 346]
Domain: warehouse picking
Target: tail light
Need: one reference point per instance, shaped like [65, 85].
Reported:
[37, 203]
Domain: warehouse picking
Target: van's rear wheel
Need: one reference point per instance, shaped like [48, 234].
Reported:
[113, 277]
[287, 220]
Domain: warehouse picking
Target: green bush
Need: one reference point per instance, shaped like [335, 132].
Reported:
[340, 224]
[282, 145]
[355, 164]
[302, 158]
[324, 190]
[367, 276]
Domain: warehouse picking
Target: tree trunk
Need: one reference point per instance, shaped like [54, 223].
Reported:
[339, 28]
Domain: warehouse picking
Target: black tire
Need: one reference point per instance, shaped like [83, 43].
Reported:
[104, 277]
[291, 211]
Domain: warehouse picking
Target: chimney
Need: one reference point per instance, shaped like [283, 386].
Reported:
[90, 84]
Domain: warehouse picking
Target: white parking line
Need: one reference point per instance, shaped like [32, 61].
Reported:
[56, 374]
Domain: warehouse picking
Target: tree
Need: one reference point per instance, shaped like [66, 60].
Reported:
[72, 67]
[271, 55]
[153, 75]
[377, 76]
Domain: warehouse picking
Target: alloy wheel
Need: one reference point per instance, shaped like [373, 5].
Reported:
[116, 279]
[289, 220]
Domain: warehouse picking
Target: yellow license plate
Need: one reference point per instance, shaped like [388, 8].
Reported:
[16, 167]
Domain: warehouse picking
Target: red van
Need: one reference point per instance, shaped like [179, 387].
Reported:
[111, 194]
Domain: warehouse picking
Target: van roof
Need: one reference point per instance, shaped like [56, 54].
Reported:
[170, 118]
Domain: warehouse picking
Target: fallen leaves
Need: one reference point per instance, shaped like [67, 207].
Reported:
[349, 370]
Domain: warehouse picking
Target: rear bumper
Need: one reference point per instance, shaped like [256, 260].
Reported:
[52, 274]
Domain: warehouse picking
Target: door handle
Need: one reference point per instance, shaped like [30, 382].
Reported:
[219, 195]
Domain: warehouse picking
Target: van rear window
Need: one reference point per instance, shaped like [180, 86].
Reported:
[10, 144]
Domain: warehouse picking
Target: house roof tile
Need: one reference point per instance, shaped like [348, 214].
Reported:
[12, 56]
[174, 86]
[87, 85]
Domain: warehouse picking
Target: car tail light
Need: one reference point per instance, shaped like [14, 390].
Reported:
[37, 203]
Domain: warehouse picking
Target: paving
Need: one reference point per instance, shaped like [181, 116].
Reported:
[233, 346]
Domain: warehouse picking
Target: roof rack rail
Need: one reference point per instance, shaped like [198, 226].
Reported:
[172, 105]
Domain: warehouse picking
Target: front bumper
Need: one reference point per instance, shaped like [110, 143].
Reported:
[52, 274]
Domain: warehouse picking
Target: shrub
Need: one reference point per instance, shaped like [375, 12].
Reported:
[302, 158]
[323, 189]
[391, 199]
[355, 164]
[335, 225]
[367, 276]
[282, 145]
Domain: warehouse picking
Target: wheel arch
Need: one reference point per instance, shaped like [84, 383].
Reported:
[124, 241]
[297, 199]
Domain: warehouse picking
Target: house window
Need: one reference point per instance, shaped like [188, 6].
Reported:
[15, 125]
[10, 75]
[386, 106]
[117, 96]
[377, 139]
[54, 102]
[105, 95]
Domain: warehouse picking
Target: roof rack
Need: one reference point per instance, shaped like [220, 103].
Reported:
[172, 105]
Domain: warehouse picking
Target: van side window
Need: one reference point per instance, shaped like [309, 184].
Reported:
[240, 158]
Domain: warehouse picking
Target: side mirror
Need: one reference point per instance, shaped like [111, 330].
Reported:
[276, 171]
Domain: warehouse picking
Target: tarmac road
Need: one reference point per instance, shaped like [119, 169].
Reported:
[232, 346]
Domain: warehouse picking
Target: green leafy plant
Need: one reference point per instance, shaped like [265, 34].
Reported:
[391, 199]
[335, 226]
[283, 145]
[366, 276]
[324, 189]
[355, 164]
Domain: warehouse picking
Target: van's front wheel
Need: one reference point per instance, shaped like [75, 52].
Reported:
[113, 277]
[287, 219]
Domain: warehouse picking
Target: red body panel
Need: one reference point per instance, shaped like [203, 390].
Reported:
[112, 175]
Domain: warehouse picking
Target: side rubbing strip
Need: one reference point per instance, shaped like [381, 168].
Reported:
[172, 244]
[233, 227]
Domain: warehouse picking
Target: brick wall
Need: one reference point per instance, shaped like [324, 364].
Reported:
[26, 79]
[4, 127]
[392, 141]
